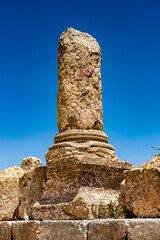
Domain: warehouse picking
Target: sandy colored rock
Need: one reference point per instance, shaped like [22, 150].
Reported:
[79, 103]
[66, 230]
[78, 177]
[26, 230]
[154, 163]
[107, 229]
[9, 192]
[20, 189]
[110, 229]
[30, 163]
[143, 229]
[142, 191]
[30, 188]
[5, 231]
[81, 135]
[85, 204]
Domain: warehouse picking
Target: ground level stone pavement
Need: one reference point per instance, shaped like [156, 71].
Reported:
[110, 229]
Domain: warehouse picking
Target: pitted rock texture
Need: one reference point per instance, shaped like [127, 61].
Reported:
[142, 191]
[79, 175]
[5, 231]
[30, 188]
[154, 163]
[108, 229]
[79, 103]
[63, 230]
[9, 192]
[28, 230]
[83, 205]
[143, 229]
[20, 189]
[30, 163]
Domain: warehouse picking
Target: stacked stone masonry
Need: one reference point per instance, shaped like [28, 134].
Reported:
[131, 229]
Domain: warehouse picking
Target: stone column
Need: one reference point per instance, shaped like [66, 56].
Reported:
[79, 102]
[82, 168]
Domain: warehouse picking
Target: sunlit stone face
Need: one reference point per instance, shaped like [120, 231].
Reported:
[79, 103]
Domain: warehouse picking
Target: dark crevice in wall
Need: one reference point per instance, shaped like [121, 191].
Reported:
[126, 232]
[87, 237]
[11, 232]
[125, 238]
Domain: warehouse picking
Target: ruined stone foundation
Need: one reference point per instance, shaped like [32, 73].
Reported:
[82, 171]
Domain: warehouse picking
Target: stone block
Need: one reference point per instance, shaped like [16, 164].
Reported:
[143, 229]
[26, 230]
[9, 192]
[63, 230]
[5, 230]
[30, 187]
[142, 191]
[107, 229]
[76, 182]
[20, 188]
[30, 163]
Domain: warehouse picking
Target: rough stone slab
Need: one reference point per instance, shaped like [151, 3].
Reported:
[143, 229]
[9, 192]
[107, 229]
[28, 230]
[5, 230]
[142, 191]
[30, 163]
[66, 230]
[30, 187]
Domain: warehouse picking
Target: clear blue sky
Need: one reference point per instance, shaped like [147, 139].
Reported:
[129, 35]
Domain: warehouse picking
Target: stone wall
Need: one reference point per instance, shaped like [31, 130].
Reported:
[126, 229]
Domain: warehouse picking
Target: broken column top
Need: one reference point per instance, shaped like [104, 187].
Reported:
[79, 103]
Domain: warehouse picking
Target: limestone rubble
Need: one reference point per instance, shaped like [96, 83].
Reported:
[142, 189]
[20, 188]
[9, 192]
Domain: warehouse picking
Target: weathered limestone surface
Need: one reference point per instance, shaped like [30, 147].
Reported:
[5, 231]
[30, 188]
[30, 163]
[126, 229]
[26, 230]
[154, 163]
[9, 192]
[66, 230]
[143, 229]
[142, 191]
[79, 103]
[20, 188]
[107, 229]
[79, 174]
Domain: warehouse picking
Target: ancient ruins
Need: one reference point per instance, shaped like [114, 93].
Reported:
[82, 171]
